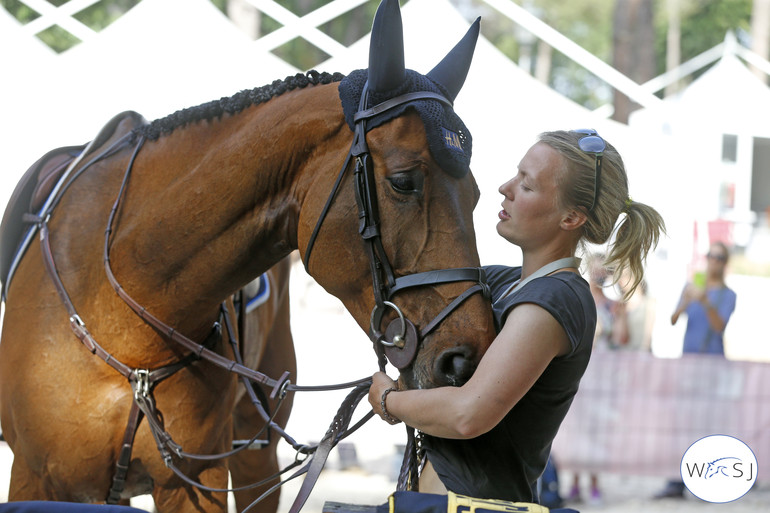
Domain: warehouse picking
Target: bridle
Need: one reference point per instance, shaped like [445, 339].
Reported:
[401, 340]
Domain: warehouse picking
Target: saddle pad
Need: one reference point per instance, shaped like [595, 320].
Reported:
[256, 292]
[41, 175]
[39, 182]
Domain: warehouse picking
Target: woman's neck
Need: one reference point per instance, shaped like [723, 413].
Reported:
[531, 262]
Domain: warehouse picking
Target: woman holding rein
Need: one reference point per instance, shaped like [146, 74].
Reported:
[491, 437]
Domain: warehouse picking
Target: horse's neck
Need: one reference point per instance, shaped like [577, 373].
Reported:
[212, 205]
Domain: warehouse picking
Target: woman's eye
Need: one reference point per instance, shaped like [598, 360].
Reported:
[407, 183]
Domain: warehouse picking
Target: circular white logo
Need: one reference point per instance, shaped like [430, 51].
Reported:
[719, 468]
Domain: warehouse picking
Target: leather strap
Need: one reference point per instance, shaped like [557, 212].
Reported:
[330, 439]
[399, 100]
[543, 271]
[124, 457]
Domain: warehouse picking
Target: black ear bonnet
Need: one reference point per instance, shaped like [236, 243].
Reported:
[449, 140]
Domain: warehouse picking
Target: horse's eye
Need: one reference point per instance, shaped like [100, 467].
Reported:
[409, 182]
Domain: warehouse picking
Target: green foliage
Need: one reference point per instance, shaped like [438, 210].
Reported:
[300, 54]
[97, 17]
[101, 14]
[589, 24]
[704, 24]
[19, 10]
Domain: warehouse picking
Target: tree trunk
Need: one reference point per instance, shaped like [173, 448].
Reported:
[760, 32]
[543, 62]
[634, 49]
[673, 43]
[245, 16]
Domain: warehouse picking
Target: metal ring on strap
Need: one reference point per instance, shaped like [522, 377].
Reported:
[398, 340]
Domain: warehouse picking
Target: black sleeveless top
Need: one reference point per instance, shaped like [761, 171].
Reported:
[505, 462]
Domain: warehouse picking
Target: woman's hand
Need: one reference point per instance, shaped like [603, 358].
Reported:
[380, 383]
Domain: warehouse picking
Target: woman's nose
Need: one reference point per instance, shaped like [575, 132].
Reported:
[505, 188]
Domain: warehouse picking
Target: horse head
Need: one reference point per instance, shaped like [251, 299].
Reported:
[414, 200]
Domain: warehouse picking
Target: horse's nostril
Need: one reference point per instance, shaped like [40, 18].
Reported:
[454, 368]
[462, 367]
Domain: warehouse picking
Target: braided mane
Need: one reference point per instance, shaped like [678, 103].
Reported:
[234, 104]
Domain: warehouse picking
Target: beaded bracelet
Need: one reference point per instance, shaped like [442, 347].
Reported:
[388, 418]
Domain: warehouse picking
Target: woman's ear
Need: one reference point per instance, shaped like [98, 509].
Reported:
[573, 220]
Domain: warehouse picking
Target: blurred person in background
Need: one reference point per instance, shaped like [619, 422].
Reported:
[708, 303]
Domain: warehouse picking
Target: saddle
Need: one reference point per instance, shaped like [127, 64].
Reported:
[40, 181]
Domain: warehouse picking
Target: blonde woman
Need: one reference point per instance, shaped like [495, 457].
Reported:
[491, 437]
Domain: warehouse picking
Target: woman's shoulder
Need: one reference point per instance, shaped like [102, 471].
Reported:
[558, 287]
[500, 277]
[501, 272]
[567, 297]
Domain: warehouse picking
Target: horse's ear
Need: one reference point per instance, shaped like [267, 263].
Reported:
[453, 69]
[386, 48]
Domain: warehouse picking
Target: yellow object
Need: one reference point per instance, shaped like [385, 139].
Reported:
[462, 504]
[414, 501]
[699, 279]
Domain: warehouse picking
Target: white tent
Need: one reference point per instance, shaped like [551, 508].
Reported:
[164, 55]
[728, 99]
[160, 56]
[26, 73]
[25, 48]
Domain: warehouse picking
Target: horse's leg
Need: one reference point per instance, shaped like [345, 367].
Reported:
[185, 498]
[25, 485]
[251, 466]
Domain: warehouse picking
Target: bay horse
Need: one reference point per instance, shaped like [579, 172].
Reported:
[153, 229]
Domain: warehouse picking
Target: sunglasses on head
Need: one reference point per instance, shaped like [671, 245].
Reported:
[717, 257]
[591, 142]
